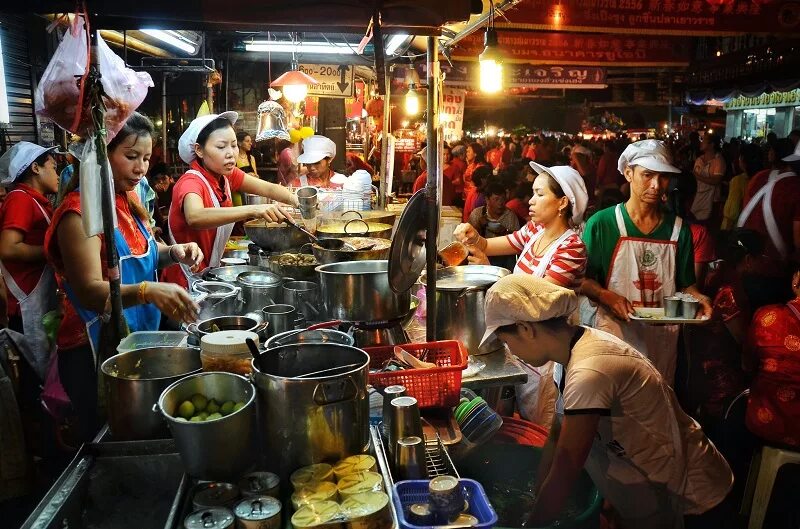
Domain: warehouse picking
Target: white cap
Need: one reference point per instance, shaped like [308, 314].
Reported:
[795, 156]
[650, 154]
[525, 298]
[315, 148]
[188, 139]
[572, 185]
[18, 158]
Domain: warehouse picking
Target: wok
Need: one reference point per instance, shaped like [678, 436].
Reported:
[381, 217]
[378, 249]
[275, 237]
[354, 227]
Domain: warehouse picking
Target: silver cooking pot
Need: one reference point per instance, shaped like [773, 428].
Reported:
[222, 299]
[460, 297]
[313, 403]
[259, 289]
[135, 380]
[309, 336]
[360, 291]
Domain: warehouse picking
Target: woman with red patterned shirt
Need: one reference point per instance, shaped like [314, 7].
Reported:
[773, 410]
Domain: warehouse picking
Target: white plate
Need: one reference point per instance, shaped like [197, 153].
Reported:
[655, 316]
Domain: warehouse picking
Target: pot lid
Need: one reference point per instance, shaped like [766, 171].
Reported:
[471, 276]
[258, 279]
[230, 273]
[217, 517]
[215, 289]
[260, 508]
[407, 254]
[227, 342]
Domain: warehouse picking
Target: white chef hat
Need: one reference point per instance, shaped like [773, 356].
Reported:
[317, 147]
[525, 298]
[188, 139]
[795, 156]
[18, 158]
[572, 185]
[650, 154]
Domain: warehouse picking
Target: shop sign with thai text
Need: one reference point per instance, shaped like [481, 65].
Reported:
[673, 17]
[335, 80]
[775, 99]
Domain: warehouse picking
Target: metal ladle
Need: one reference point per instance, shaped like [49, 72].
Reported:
[327, 244]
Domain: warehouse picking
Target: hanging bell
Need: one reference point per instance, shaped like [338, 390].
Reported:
[271, 122]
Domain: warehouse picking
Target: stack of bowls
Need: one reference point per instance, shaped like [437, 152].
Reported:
[477, 421]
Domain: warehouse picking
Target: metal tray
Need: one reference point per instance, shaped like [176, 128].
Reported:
[437, 459]
[655, 316]
[116, 486]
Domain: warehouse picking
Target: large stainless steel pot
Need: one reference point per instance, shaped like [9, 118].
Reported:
[310, 336]
[359, 291]
[460, 296]
[315, 418]
[378, 249]
[222, 299]
[259, 289]
[135, 380]
[228, 274]
[352, 228]
[221, 449]
[275, 237]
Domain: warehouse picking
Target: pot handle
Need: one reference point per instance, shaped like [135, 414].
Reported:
[356, 233]
[192, 329]
[327, 393]
[359, 215]
[156, 408]
[261, 327]
[469, 290]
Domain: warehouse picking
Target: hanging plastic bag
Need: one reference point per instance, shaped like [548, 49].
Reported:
[124, 89]
[60, 95]
[91, 190]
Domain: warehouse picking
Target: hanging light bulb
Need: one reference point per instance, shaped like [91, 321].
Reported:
[491, 63]
[294, 83]
[295, 92]
[412, 101]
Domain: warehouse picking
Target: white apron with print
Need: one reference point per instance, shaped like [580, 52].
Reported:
[34, 306]
[221, 238]
[764, 196]
[643, 271]
[537, 398]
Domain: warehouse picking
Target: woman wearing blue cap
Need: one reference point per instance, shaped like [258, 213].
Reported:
[30, 170]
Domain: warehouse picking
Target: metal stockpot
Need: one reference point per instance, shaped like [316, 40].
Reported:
[259, 289]
[228, 274]
[222, 299]
[460, 296]
[135, 380]
[317, 418]
[360, 291]
[221, 449]
[310, 336]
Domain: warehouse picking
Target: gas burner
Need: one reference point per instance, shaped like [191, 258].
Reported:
[378, 333]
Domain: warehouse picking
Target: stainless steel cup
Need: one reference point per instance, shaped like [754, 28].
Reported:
[672, 307]
[689, 308]
[389, 394]
[406, 421]
[304, 296]
[409, 459]
[279, 317]
[307, 198]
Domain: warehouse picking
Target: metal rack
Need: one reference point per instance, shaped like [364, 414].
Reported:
[437, 459]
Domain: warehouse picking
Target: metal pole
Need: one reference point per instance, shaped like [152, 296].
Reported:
[432, 185]
[383, 194]
[164, 116]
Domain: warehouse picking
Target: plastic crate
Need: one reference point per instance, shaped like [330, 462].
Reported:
[407, 493]
[435, 387]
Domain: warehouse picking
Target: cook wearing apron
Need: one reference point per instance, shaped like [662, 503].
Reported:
[633, 267]
[24, 218]
[622, 422]
[202, 209]
[318, 153]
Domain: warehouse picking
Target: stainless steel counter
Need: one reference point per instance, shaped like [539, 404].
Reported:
[501, 370]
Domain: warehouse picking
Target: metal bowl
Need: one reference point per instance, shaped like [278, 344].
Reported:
[304, 272]
[228, 274]
[250, 199]
[379, 250]
[275, 237]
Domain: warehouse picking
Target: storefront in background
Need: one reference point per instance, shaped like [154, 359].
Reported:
[755, 117]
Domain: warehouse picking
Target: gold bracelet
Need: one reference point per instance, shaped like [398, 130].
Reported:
[142, 291]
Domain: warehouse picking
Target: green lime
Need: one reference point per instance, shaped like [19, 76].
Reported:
[214, 416]
[186, 409]
[196, 418]
[212, 406]
[238, 406]
[200, 402]
[203, 415]
[227, 407]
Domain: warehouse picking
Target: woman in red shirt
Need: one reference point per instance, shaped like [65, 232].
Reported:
[201, 209]
[24, 217]
[79, 262]
[476, 157]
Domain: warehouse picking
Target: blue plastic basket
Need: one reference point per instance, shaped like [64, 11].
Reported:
[407, 493]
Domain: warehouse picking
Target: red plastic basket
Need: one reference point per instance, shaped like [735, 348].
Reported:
[435, 387]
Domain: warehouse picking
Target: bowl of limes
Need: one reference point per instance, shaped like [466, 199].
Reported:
[212, 418]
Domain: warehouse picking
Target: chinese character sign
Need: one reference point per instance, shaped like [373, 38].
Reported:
[451, 113]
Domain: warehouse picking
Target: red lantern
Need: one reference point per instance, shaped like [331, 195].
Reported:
[375, 108]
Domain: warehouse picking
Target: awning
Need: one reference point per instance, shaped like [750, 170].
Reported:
[421, 17]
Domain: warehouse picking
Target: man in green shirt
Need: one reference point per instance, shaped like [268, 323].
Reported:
[638, 255]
